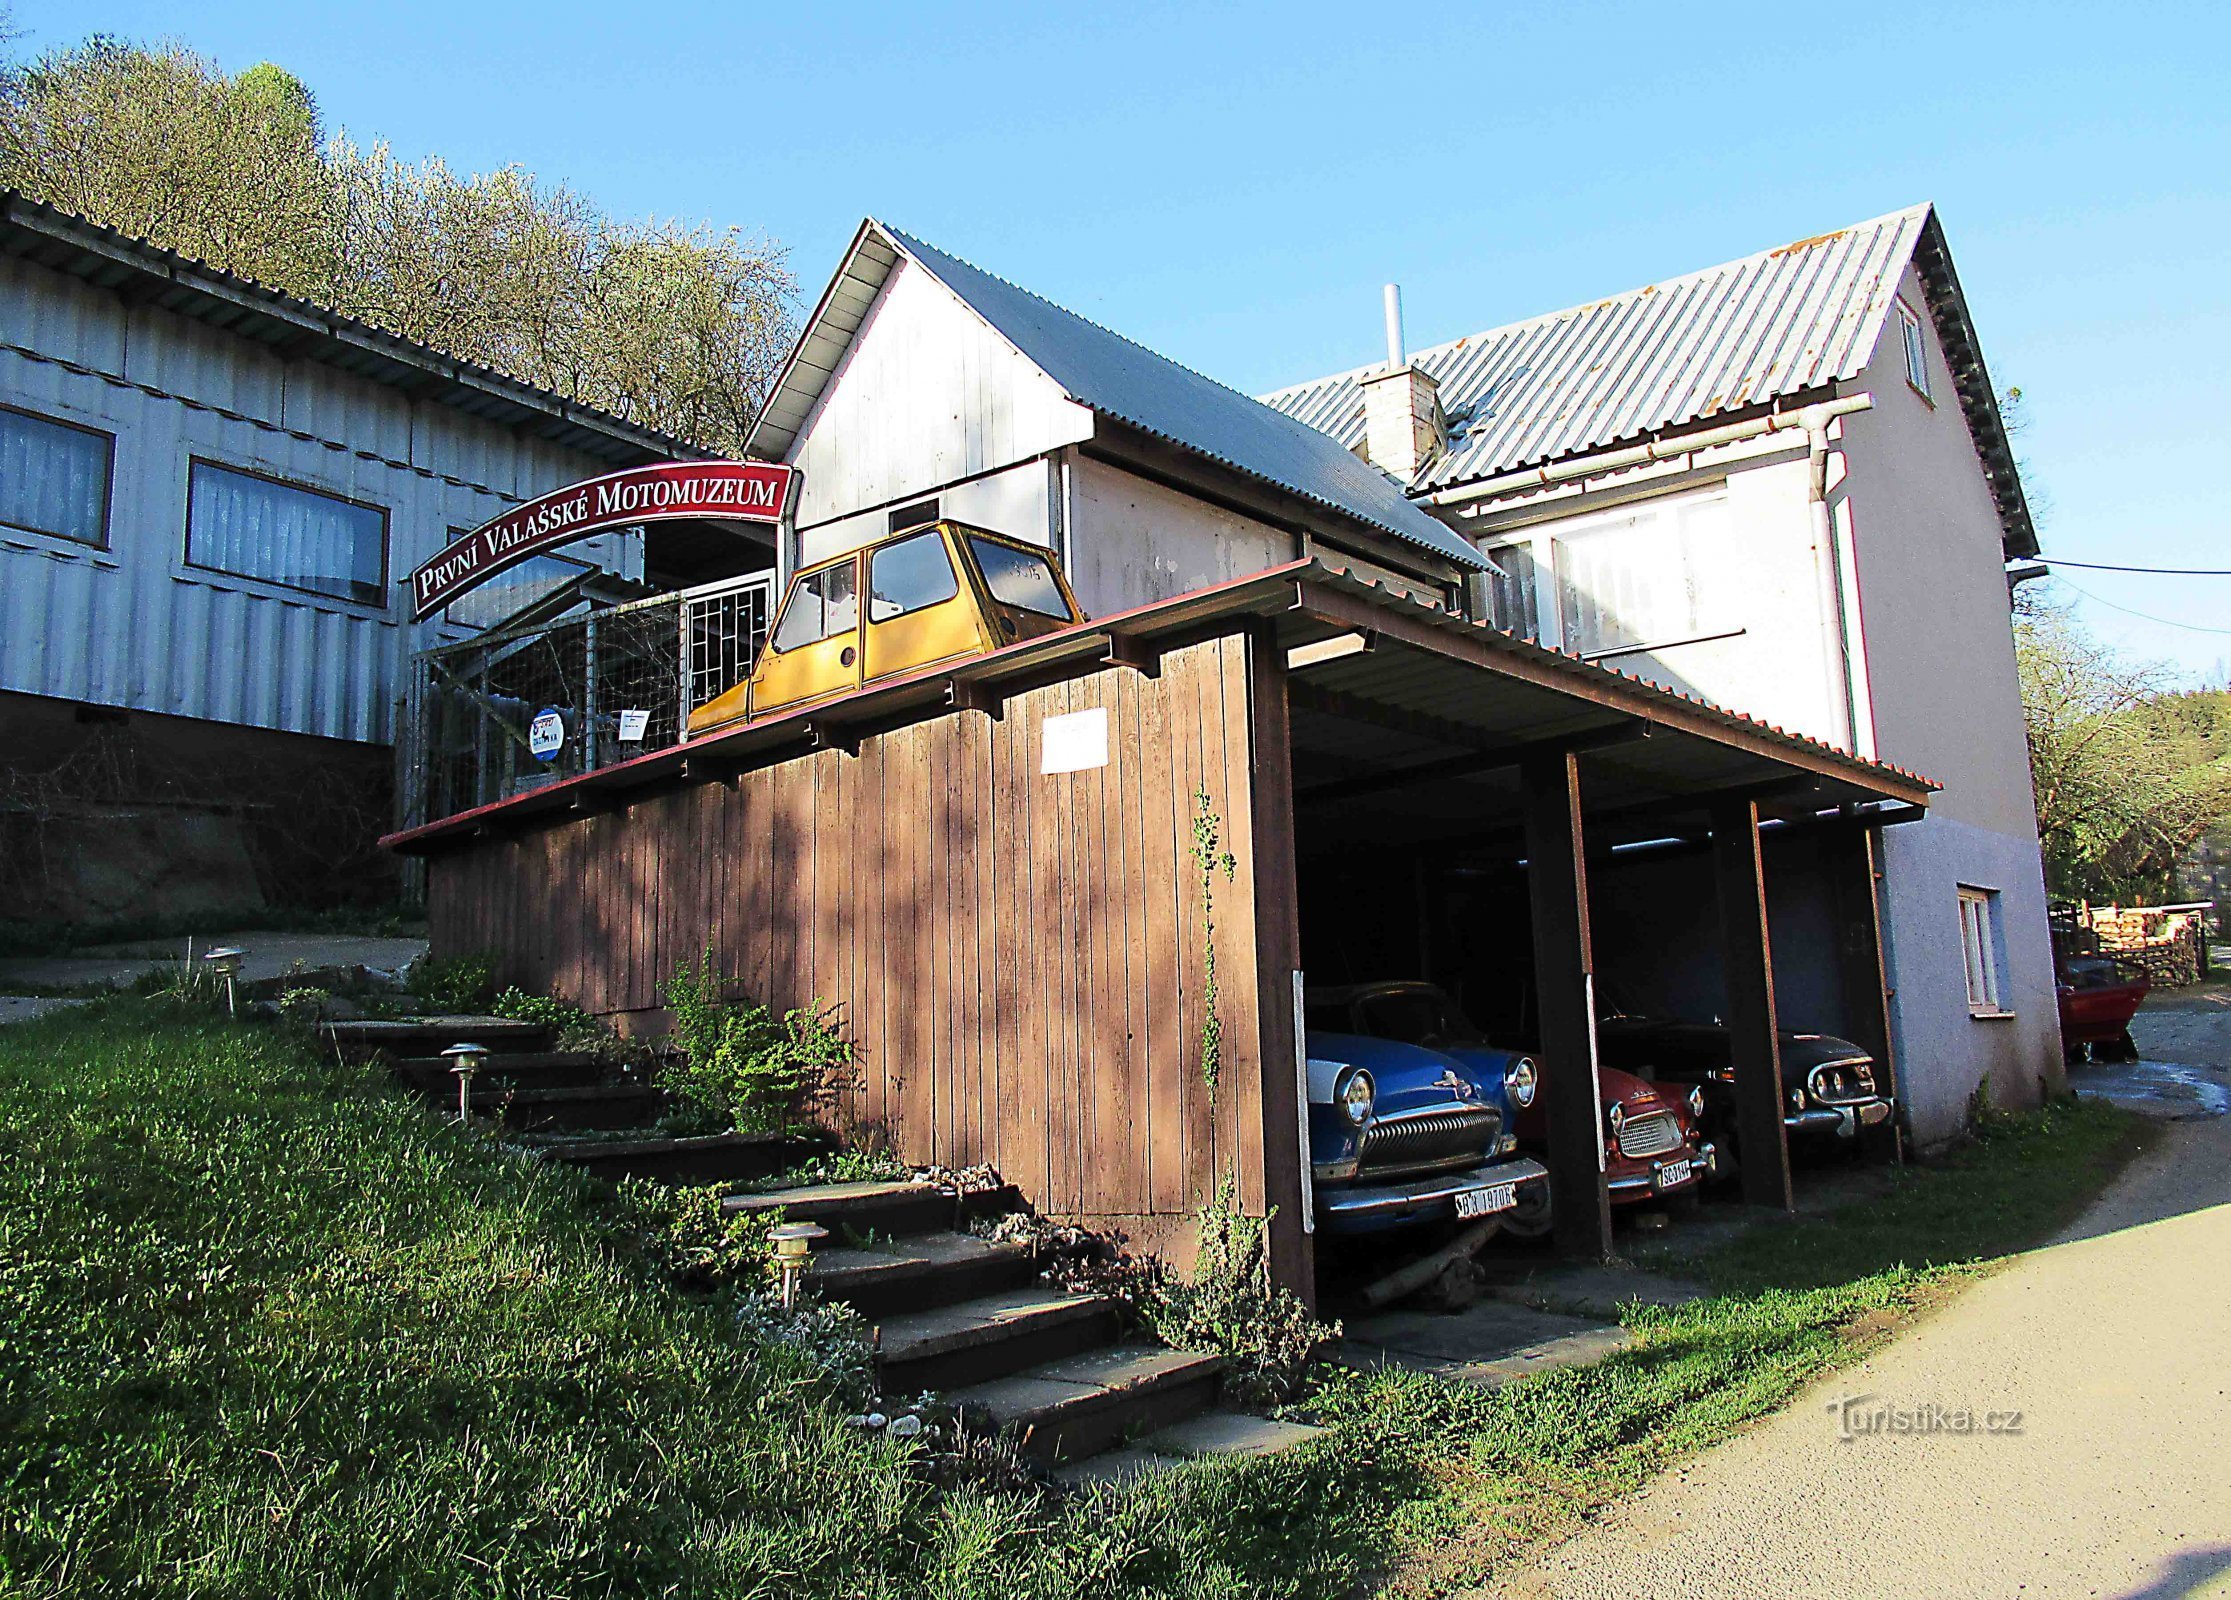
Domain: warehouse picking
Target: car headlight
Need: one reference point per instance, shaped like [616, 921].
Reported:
[1616, 1115]
[1521, 1079]
[1797, 1099]
[1696, 1100]
[1355, 1094]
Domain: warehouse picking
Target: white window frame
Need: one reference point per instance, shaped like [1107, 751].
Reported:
[1914, 338]
[1982, 952]
[1540, 541]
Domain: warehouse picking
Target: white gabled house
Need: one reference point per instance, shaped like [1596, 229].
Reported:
[1782, 484]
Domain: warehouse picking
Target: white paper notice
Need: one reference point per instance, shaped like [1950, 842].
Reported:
[633, 725]
[1077, 742]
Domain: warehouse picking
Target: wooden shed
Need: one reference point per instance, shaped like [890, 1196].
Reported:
[992, 870]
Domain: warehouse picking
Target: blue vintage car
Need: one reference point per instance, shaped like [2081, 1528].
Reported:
[1399, 1134]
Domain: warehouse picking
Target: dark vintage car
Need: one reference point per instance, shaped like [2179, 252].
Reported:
[1828, 1084]
[1651, 1144]
[1401, 1135]
[2098, 996]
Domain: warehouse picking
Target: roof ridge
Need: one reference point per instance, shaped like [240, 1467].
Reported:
[912, 243]
[1543, 319]
[11, 197]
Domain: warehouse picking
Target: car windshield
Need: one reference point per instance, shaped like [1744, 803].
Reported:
[1418, 1016]
[1019, 578]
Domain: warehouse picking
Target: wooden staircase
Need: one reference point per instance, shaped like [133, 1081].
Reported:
[953, 1314]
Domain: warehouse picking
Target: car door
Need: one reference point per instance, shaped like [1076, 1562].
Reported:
[814, 650]
[917, 614]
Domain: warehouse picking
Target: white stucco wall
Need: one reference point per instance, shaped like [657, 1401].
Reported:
[1133, 541]
[1946, 703]
[1770, 588]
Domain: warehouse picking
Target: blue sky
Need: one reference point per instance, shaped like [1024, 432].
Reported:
[1231, 184]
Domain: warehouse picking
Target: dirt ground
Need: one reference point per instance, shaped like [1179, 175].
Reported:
[2058, 1430]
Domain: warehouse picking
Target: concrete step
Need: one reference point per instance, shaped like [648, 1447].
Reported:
[992, 1336]
[430, 1036]
[896, 1209]
[1212, 1435]
[915, 1274]
[693, 1159]
[526, 1069]
[604, 1105]
[1077, 1406]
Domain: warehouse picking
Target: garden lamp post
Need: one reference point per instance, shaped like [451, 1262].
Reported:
[793, 1242]
[464, 1061]
[224, 961]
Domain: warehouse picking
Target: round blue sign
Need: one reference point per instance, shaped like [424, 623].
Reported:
[546, 734]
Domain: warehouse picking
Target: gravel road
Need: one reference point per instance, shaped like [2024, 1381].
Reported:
[2113, 1346]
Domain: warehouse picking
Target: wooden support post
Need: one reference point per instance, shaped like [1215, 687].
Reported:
[1284, 1103]
[1565, 989]
[1851, 858]
[1747, 960]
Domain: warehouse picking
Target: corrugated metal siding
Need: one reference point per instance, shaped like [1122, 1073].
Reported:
[1716, 341]
[133, 625]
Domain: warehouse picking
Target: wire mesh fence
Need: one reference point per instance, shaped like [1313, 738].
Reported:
[519, 708]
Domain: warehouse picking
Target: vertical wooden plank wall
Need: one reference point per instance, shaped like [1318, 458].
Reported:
[1017, 956]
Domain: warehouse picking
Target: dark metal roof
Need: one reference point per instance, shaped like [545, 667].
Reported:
[1796, 320]
[141, 273]
[1431, 686]
[1111, 375]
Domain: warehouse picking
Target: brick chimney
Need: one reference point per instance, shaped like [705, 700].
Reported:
[1403, 428]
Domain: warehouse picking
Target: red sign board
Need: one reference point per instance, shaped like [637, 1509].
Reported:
[748, 491]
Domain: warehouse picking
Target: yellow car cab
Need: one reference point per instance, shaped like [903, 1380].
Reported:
[937, 593]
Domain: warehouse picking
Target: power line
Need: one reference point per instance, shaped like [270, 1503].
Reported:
[2178, 572]
[2142, 616]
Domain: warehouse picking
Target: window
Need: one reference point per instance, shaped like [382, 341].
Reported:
[257, 527]
[908, 576]
[1917, 349]
[1979, 946]
[54, 477]
[912, 516]
[512, 590]
[1623, 582]
[821, 604]
[1023, 579]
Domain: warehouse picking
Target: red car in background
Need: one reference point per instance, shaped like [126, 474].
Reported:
[2099, 995]
[1651, 1145]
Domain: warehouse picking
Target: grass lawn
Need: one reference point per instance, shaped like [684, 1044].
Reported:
[269, 1329]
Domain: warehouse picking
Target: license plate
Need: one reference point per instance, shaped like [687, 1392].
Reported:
[1672, 1173]
[1486, 1202]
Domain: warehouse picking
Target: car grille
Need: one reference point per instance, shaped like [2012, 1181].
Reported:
[1429, 1139]
[1651, 1134]
[1838, 1083]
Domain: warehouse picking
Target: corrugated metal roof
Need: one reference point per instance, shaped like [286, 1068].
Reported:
[1114, 377]
[296, 329]
[1721, 340]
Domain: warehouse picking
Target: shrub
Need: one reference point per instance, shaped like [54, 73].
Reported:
[1231, 1306]
[686, 1232]
[742, 1064]
[454, 983]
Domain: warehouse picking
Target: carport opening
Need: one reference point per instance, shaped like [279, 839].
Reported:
[1413, 781]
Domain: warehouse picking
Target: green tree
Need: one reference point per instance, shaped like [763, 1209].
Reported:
[2129, 771]
[679, 328]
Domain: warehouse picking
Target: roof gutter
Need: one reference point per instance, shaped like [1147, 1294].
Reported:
[1811, 419]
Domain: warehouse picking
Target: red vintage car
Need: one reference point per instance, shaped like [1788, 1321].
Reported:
[1651, 1144]
[2099, 995]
